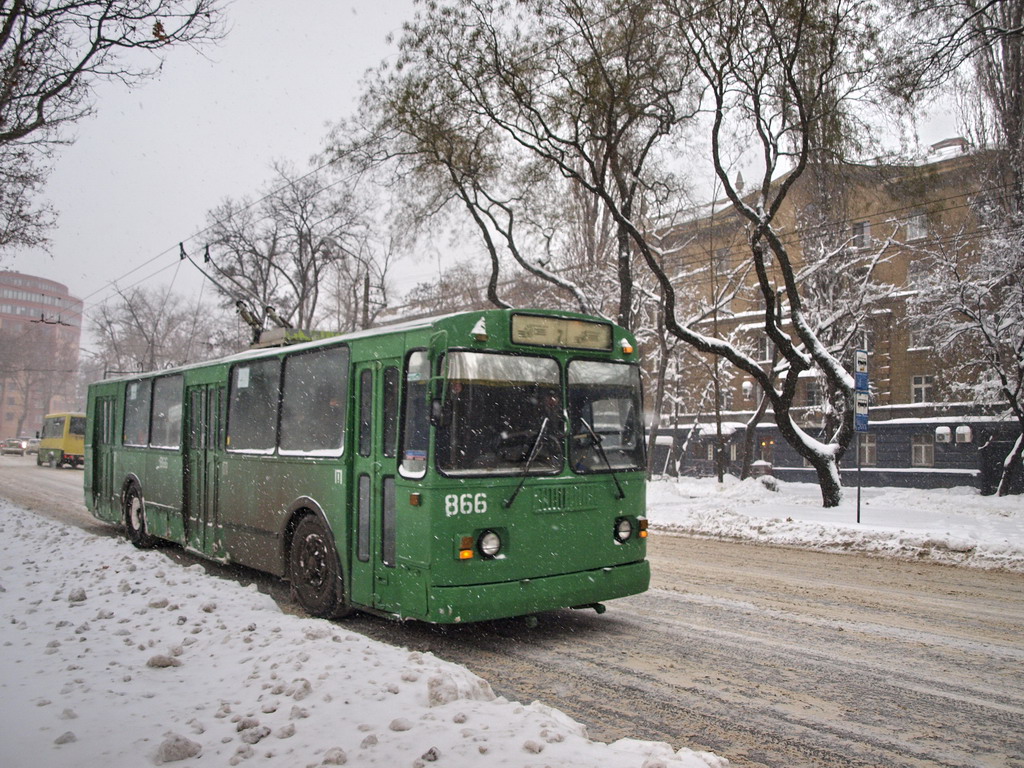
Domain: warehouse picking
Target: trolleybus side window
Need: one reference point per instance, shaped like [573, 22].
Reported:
[416, 415]
[313, 405]
[104, 421]
[363, 521]
[390, 411]
[136, 413]
[387, 533]
[604, 417]
[365, 412]
[165, 427]
[252, 409]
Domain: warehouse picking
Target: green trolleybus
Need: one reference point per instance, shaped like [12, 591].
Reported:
[470, 467]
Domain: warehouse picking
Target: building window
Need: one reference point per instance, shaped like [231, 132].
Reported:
[861, 234]
[721, 260]
[918, 268]
[868, 449]
[812, 393]
[726, 398]
[917, 226]
[921, 389]
[918, 337]
[922, 450]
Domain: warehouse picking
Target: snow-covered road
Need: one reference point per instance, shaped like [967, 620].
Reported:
[767, 656]
[777, 657]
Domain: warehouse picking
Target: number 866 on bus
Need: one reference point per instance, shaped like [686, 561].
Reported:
[465, 504]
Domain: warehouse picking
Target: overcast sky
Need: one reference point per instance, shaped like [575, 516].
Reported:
[144, 171]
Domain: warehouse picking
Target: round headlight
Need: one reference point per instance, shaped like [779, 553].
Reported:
[489, 544]
[623, 529]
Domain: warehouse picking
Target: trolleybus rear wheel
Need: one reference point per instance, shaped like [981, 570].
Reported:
[314, 571]
[135, 519]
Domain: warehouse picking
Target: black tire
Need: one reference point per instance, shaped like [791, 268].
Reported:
[135, 519]
[314, 570]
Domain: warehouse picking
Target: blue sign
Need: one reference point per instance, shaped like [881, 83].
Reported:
[860, 414]
[860, 370]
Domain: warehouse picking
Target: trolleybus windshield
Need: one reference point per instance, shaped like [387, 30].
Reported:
[502, 414]
[604, 417]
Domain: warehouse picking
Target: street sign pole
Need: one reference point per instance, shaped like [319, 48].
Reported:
[858, 478]
[861, 398]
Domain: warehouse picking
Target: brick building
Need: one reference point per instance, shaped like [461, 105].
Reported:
[886, 215]
[40, 328]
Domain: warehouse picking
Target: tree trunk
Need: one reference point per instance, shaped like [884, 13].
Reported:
[659, 400]
[1012, 464]
[750, 437]
[828, 478]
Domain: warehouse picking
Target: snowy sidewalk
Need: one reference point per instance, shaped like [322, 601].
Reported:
[953, 525]
[116, 658]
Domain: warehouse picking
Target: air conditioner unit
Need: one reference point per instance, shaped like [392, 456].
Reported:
[943, 435]
[964, 434]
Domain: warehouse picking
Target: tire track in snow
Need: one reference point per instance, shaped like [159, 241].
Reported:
[771, 657]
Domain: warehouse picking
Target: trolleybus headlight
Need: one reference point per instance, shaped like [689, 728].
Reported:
[489, 544]
[623, 529]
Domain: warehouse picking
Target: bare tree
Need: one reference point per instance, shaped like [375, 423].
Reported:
[788, 75]
[272, 255]
[357, 291]
[23, 221]
[497, 103]
[599, 93]
[52, 54]
[152, 329]
[971, 301]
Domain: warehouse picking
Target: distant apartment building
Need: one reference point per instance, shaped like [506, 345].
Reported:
[40, 328]
[920, 432]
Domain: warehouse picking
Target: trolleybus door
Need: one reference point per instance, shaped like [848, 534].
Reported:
[202, 530]
[102, 455]
[373, 579]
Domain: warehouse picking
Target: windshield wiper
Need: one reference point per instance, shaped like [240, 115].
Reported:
[604, 456]
[529, 461]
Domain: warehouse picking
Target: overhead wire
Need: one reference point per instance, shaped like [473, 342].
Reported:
[198, 236]
[273, 192]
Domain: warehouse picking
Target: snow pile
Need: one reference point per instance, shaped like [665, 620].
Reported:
[950, 525]
[114, 657]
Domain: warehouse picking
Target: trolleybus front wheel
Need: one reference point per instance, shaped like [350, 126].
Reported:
[135, 519]
[314, 571]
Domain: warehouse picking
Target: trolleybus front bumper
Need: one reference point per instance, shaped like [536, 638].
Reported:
[481, 602]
